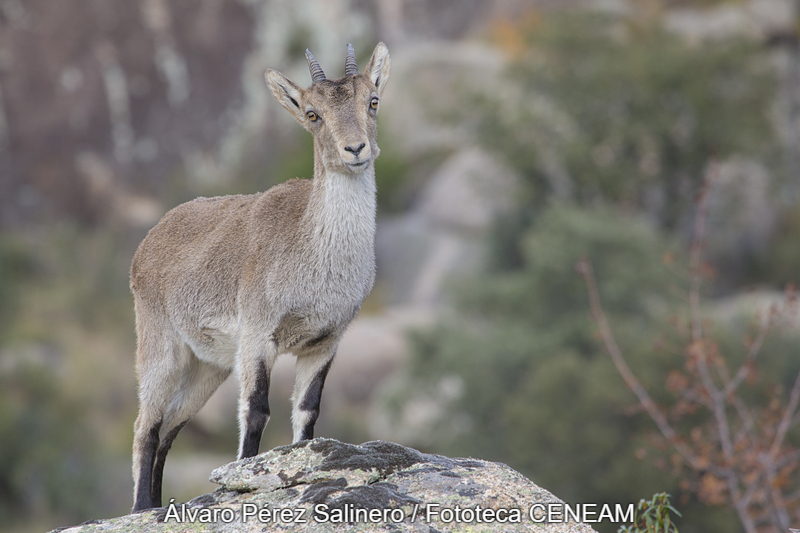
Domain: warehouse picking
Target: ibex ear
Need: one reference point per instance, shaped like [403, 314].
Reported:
[287, 93]
[378, 67]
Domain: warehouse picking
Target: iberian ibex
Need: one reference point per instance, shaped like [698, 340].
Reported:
[235, 281]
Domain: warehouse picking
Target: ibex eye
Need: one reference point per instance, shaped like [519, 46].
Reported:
[374, 103]
[312, 116]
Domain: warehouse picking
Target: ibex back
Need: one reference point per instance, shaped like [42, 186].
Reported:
[232, 282]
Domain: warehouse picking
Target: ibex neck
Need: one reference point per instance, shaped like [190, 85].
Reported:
[342, 208]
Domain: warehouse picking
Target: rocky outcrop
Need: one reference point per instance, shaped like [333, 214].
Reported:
[326, 485]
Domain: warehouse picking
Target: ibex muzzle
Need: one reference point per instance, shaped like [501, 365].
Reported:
[235, 281]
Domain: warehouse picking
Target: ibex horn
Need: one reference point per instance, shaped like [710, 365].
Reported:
[350, 66]
[313, 66]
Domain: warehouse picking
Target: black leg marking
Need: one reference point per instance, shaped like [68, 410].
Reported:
[257, 413]
[158, 468]
[311, 400]
[143, 494]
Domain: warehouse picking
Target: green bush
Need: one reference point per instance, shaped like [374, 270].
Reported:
[653, 516]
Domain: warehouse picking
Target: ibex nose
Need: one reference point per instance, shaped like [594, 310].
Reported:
[355, 150]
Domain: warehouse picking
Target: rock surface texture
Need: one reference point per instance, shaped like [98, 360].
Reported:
[326, 485]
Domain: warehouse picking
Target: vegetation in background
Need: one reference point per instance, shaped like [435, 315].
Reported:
[533, 389]
[48, 460]
[603, 109]
[779, 261]
[16, 266]
[736, 443]
[612, 124]
[49, 464]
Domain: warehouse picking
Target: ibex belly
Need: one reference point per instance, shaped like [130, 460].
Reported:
[299, 322]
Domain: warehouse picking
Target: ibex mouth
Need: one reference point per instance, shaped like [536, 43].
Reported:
[360, 165]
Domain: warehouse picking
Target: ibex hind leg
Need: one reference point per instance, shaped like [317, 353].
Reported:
[145, 443]
[310, 371]
[159, 365]
[198, 382]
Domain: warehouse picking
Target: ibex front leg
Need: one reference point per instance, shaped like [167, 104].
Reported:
[311, 371]
[254, 373]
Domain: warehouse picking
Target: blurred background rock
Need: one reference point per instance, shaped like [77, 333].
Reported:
[516, 137]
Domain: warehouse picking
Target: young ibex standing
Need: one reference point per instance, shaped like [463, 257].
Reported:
[235, 281]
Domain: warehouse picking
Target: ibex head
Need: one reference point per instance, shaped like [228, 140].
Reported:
[340, 114]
